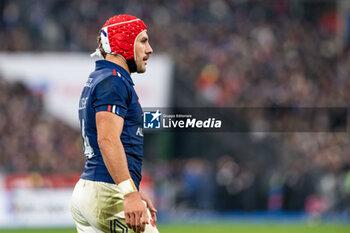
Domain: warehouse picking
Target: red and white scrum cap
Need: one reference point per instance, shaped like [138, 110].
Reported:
[119, 33]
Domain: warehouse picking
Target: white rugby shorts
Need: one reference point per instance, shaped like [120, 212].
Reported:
[97, 207]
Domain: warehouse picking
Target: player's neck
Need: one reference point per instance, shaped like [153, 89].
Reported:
[118, 60]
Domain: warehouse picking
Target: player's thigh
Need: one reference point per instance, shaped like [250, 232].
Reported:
[108, 213]
[75, 206]
[82, 228]
[82, 225]
[93, 204]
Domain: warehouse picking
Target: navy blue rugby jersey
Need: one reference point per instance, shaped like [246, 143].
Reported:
[110, 88]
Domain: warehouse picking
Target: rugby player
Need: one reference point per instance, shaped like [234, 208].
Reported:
[107, 196]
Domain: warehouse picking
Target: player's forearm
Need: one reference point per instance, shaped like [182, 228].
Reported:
[115, 159]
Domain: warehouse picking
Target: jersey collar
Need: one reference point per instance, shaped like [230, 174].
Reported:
[107, 64]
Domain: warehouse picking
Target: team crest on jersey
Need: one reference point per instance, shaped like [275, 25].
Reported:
[152, 120]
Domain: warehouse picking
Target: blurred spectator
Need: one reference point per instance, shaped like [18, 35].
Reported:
[32, 140]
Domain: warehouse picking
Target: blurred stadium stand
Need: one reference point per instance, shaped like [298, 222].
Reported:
[226, 54]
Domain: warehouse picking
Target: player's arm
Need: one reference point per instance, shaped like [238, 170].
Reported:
[109, 128]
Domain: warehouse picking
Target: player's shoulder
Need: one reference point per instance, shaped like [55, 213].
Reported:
[109, 78]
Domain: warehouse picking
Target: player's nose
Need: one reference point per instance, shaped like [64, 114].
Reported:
[149, 49]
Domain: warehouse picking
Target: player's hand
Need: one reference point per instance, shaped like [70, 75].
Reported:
[150, 206]
[136, 216]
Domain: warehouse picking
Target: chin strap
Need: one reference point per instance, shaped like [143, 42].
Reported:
[96, 53]
[132, 65]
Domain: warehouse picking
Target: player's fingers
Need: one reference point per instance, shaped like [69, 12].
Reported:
[144, 220]
[137, 222]
[154, 216]
[143, 225]
[132, 221]
[150, 205]
[127, 220]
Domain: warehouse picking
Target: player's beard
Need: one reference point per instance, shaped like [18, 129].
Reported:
[140, 66]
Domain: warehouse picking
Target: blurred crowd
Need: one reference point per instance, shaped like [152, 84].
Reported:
[226, 53]
[31, 140]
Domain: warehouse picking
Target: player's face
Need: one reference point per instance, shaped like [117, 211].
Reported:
[142, 52]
